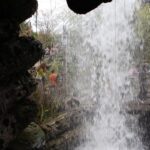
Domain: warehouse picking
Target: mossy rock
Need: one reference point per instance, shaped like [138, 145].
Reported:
[33, 137]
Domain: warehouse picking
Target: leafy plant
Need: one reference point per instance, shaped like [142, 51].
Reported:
[143, 30]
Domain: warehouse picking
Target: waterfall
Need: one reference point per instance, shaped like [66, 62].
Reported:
[101, 47]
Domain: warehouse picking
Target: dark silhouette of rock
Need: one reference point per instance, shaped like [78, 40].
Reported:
[17, 10]
[17, 55]
[32, 138]
[9, 29]
[84, 6]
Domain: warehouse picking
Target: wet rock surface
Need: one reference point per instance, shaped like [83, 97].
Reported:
[141, 109]
[17, 55]
[64, 132]
[32, 137]
[84, 6]
[67, 141]
[138, 106]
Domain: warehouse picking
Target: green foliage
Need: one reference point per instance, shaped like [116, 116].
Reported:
[143, 30]
[25, 29]
[55, 65]
[45, 38]
[50, 111]
[144, 21]
[31, 138]
[49, 105]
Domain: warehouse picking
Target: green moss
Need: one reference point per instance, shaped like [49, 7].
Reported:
[32, 137]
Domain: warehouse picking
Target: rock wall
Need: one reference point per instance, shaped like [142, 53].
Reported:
[141, 109]
[144, 125]
[17, 55]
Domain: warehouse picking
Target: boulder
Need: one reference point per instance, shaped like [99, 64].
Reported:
[31, 138]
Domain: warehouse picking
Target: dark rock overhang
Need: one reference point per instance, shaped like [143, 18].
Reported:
[84, 6]
[18, 10]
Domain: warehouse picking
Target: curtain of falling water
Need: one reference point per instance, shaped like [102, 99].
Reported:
[101, 46]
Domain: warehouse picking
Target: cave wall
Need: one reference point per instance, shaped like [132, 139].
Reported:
[17, 55]
[144, 125]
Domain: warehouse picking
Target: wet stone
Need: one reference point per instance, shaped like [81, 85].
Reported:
[33, 137]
